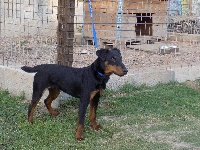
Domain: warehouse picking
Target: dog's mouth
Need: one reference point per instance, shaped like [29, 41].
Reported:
[117, 71]
[120, 74]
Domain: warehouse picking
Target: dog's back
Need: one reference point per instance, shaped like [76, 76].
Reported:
[65, 78]
[38, 68]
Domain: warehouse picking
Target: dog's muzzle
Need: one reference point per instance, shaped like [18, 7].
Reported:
[125, 71]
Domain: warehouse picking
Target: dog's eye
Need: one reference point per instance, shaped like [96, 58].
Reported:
[113, 58]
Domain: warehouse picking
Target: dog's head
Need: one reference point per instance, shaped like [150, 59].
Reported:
[112, 60]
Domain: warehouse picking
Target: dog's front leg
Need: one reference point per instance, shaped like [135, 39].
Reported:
[81, 117]
[93, 109]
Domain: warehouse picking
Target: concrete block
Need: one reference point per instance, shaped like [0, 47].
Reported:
[168, 49]
[2, 78]
[148, 78]
[153, 78]
[17, 81]
[187, 73]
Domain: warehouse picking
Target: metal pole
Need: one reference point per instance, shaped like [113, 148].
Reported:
[0, 17]
[119, 16]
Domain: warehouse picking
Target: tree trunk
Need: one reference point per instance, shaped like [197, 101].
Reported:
[65, 32]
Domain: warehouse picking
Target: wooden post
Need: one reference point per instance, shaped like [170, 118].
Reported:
[65, 32]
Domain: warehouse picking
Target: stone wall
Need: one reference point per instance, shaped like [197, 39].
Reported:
[17, 81]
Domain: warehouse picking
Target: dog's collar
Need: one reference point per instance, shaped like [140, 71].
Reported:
[101, 74]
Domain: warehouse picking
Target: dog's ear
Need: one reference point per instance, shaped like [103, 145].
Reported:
[102, 53]
[115, 49]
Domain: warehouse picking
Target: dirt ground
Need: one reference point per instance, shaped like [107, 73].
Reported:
[194, 85]
[143, 57]
[147, 57]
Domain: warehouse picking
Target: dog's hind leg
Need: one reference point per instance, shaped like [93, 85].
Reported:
[35, 99]
[38, 90]
[53, 94]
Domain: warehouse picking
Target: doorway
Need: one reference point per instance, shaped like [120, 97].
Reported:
[144, 24]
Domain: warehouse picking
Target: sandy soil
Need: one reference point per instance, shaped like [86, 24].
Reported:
[144, 57]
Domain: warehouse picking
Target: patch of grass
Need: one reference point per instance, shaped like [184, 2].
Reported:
[165, 116]
[192, 138]
[198, 81]
[129, 88]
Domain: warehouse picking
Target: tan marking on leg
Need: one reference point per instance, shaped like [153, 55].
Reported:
[101, 92]
[93, 122]
[79, 133]
[53, 94]
[32, 107]
[92, 94]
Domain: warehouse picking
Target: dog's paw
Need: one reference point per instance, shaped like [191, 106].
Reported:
[54, 113]
[97, 127]
[30, 119]
[31, 122]
[79, 137]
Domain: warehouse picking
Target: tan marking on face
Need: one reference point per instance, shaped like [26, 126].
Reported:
[110, 69]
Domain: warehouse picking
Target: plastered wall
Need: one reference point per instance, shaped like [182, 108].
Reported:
[17, 81]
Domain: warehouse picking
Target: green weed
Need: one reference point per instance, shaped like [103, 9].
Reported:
[166, 116]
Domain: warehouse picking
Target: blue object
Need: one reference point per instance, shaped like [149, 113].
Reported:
[175, 7]
[101, 74]
[93, 28]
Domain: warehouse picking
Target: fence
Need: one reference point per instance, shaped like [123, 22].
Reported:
[151, 34]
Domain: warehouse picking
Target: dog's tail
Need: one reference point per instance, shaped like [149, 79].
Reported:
[29, 69]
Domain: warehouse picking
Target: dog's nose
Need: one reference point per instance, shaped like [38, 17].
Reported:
[125, 71]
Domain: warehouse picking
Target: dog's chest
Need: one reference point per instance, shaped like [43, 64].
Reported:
[101, 85]
[93, 93]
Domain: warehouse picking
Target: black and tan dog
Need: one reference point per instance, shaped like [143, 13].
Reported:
[85, 83]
